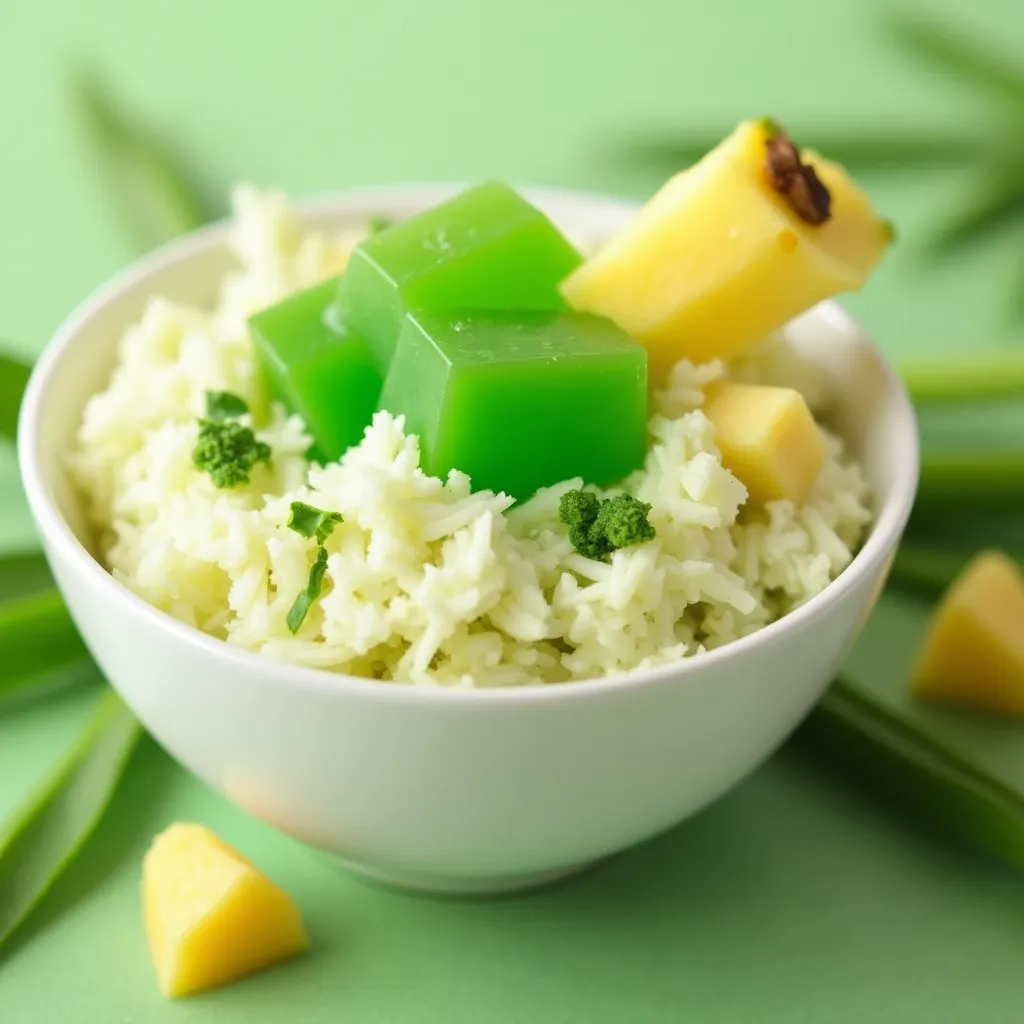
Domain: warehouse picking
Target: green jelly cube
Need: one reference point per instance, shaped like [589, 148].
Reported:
[317, 369]
[486, 248]
[521, 400]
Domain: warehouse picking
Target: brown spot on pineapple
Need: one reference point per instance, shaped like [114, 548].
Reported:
[796, 181]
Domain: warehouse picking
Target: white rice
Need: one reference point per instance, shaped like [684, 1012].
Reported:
[428, 582]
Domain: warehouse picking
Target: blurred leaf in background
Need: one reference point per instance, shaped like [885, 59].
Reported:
[39, 644]
[157, 197]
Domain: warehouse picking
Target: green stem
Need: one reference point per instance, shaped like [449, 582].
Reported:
[965, 380]
[916, 776]
[973, 480]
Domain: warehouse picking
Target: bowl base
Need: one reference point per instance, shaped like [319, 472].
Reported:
[434, 885]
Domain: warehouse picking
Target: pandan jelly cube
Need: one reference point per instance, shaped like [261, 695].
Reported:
[485, 248]
[317, 368]
[521, 400]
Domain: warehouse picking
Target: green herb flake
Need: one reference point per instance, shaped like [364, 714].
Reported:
[380, 223]
[310, 521]
[597, 528]
[228, 452]
[223, 405]
[299, 609]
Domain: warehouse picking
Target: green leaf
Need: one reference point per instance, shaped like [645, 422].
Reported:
[223, 405]
[43, 837]
[952, 54]
[300, 608]
[23, 572]
[14, 376]
[925, 570]
[155, 193]
[310, 521]
[916, 777]
[971, 480]
[993, 204]
[857, 150]
[40, 648]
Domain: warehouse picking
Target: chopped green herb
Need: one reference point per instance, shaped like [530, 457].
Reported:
[597, 528]
[622, 522]
[228, 452]
[223, 405]
[297, 612]
[380, 223]
[578, 511]
[312, 522]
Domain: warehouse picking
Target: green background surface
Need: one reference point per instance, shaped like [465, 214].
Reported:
[798, 898]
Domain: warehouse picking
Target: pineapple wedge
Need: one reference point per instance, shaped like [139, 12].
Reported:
[768, 439]
[731, 249]
[210, 916]
[974, 651]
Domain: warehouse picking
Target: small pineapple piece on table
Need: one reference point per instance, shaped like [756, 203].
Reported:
[210, 916]
[973, 653]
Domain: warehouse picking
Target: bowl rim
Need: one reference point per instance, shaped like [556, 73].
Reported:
[886, 529]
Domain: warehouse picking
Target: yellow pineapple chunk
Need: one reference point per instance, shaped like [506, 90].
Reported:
[731, 249]
[767, 437]
[974, 650]
[210, 916]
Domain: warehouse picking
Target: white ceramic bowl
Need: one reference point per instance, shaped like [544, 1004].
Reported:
[460, 791]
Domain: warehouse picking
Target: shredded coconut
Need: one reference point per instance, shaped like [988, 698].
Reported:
[428, 582]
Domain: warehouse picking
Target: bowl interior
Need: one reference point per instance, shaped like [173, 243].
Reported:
[869, 407]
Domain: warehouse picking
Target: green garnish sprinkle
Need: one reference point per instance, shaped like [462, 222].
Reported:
[228, 451]
[379, 223]
[223, 405]
[302, 604]
[310, 521]
[598, 527]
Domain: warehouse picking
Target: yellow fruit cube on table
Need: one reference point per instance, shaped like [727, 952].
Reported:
[768, 439]
[210, 916]
[732, 248]
[974, 650]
